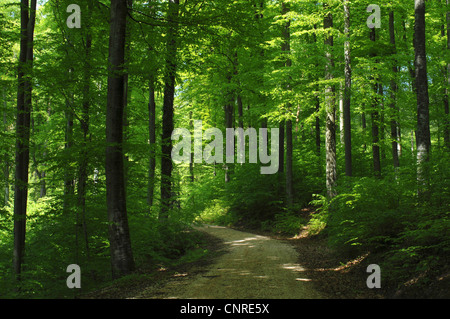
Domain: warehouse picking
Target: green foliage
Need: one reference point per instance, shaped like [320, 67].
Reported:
[385, 216]
[287, 222]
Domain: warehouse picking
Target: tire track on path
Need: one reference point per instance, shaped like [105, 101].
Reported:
[253, 267]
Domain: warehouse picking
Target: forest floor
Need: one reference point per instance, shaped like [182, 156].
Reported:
[254, 266]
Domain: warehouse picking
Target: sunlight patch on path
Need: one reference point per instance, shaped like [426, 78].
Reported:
[253, 267]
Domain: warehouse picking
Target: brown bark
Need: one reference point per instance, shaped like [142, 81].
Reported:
[347, 92]
[375, 117]
[120, 244]
[394, 91]
[167, 122]
[330, 126]
[423, 139]
[27, 18]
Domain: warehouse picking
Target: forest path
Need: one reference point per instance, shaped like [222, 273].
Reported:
[252, 267]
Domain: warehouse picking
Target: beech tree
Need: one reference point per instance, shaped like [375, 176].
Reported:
[28, 19]
[423, 140]
[347, 92]
[121, 254]
[330, 125]
[168, 109]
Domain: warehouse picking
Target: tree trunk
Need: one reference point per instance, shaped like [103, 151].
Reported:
[447, 88]
[394, 91]
[347, 92]
[84, 122]
[286, 49]
[120, 244]
[317, 109]
[6, 157]
[423, 140]
[167, 122]
[240, 111]
[330, 128]
[27, 18]
[152, 140]
[68, 144]
[191, 162]
[126, 92]
[229, 123]
[375, 117]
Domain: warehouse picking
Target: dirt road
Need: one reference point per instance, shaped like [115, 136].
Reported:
[252, 267]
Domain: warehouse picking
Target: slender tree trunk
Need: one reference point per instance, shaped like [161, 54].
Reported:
[394, 91]
[423, 139]
[191, 162]
[151, 124]
[229, 123]
[6, 157]
[317, 126]
[152, 140]
[281, 148]
[286, 48]
[68, 144]
[167, 125]
[447, 88]
[341, 114]
[27, 18]
[240, 111]
[364, 126]
[330, 129]
[317, 109]
[240, 118]
[120, 244]
[375, 118]
[126, 92]
[84, 121]
[347, 92]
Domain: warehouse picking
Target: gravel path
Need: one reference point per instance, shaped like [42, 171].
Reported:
[252, 267]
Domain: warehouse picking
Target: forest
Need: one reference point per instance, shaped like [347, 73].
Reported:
[125, 122]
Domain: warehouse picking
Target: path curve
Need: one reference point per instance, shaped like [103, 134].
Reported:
[253, 267]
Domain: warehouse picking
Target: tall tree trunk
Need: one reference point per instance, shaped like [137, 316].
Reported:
[27, 18]
[84, 121]
[394, 91]
[152, 139]
[126, 91]
[317, 126]
[191, 162]
[68, 144]
[375, 117]
[151, 124]
[447, 87]
[286, 48]
[240, 111]
[317, 109]
[347, 92]
[120, 244]
[281, 148]
[423, 139]
[167, 122]
[6, 157]
[341, 114]
[330, 128]
[229, 123]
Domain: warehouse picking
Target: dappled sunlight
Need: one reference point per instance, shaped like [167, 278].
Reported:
[293, 267]
[245, 241]
[254, 267]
